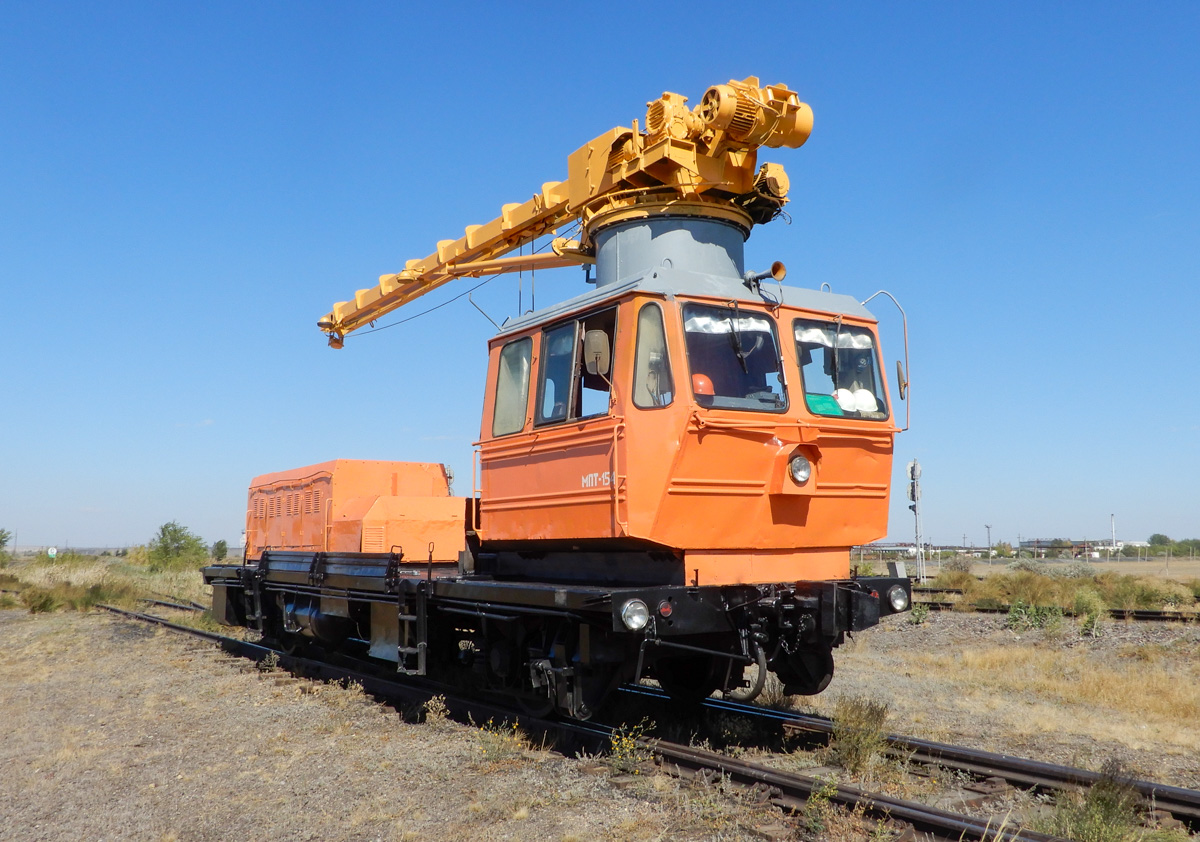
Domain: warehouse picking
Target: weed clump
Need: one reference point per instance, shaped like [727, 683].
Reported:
[919, 613]
[626, 752]
[819, 808]
[437, 713]
[1026, 565]
[1023, 616]
[43, 600]
[502, 741]
[858, 733]
[39, 601]
[1107, 812]
[959, 580]
[1092, 626]
[1074, 570]
[1090, 606]
[957, 565]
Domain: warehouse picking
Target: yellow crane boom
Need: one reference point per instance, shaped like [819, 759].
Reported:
[700, 161]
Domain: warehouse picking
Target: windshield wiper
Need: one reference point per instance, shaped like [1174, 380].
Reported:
[735, 339]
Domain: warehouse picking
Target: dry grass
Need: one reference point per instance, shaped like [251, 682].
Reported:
[1072, 587]
[1141, 688]
[77, 582]
[1130, 693]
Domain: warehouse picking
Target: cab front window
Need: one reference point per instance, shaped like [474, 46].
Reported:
[840, 370]
[734, 358]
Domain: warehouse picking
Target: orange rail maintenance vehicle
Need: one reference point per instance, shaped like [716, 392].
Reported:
[672, 466]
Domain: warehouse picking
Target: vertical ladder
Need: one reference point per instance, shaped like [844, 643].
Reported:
[252, 598]
[414, 627]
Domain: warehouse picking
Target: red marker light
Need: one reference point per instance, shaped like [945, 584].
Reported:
[664, 609]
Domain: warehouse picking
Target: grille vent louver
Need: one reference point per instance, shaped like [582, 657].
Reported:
[372, 539]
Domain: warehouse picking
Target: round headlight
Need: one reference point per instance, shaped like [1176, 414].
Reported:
[898, 597]
[635, 615]
[800, 469]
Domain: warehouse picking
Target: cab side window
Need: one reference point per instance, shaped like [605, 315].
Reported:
[558, 364]
[566, 391]
[652, 381]
[512, 387]
[595, 389]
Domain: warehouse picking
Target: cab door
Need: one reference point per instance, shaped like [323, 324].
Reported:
[558, 477]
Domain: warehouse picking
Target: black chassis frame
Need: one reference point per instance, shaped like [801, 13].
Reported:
[718, 621]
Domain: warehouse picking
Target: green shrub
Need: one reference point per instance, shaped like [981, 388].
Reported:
[1074, 570]
[958, 564]
[1092, 625]
[1088, 601]
[1131, 592]
[919, 613]
[175, 547]
[1029, 565]
[1023, 616]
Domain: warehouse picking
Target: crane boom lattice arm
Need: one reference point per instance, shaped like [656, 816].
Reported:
[704, 157]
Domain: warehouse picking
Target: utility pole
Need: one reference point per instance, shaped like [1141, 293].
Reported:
[1112, 519]
[988, 527]
[914, 497]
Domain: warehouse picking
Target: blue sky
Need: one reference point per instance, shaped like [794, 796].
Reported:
[185, 189]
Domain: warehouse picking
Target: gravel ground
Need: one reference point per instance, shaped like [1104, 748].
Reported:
[892, 663]
[116, 731]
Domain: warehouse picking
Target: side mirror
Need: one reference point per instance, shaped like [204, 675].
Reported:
[597, 354]
[901, 380]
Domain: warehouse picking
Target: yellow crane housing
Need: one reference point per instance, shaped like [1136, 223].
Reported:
[694, 162]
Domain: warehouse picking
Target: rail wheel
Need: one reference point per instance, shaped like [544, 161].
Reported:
[689, 678]
[805, 673]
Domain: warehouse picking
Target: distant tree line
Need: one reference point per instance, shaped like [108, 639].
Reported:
[1162, 545]
[173, 546]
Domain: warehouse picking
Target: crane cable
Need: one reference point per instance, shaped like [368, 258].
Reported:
[448, 300]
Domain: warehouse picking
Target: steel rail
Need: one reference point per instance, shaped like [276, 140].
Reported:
[1144, 615]
[1182, 803]
[189, 606]
[788, 791]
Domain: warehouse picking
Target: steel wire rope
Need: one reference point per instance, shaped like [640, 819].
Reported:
[423, 312]
[361, 333]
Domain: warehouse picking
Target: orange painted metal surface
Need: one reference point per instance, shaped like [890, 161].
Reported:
[351, 505]
[708, 483]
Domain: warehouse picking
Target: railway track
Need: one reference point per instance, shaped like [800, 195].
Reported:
[1183, 804]
[1138, 614]
[788, 791]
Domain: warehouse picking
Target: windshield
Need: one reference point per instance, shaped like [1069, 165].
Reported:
[840, 370]
[734, 358]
